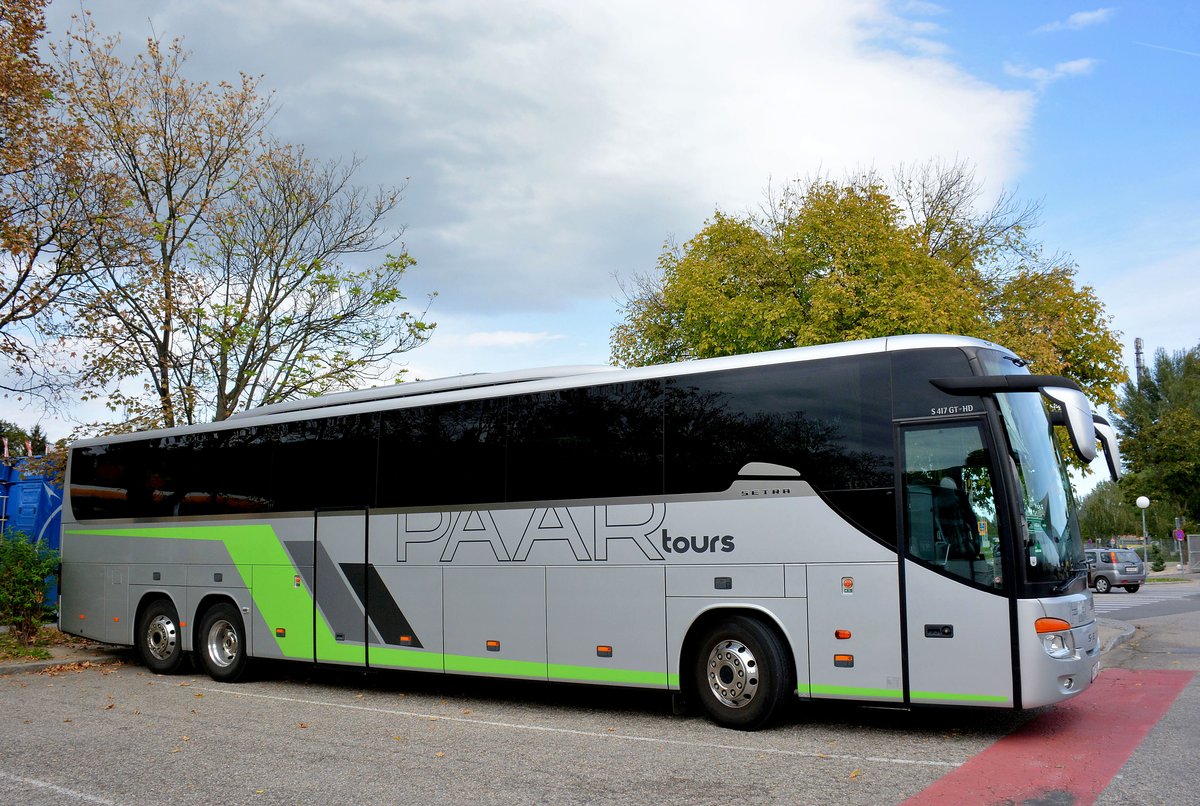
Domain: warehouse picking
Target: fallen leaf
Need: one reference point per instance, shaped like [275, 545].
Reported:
[302, 725]
[439, 754]
[854, 775]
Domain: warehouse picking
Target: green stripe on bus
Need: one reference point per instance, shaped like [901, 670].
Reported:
[468, 664]
[595, 674]
[856, 691]
[896, 694]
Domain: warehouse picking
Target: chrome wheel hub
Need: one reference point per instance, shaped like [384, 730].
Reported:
[732, 673]
[161, 637]
[222, 643]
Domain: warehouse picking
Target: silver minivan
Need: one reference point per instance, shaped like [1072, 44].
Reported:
[1119, 567]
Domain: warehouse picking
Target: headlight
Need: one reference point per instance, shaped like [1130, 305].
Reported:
[1055, 645]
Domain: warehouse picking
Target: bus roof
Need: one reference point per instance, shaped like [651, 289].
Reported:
[474, 386]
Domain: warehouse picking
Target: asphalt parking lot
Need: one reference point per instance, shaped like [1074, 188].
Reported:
[118, 734]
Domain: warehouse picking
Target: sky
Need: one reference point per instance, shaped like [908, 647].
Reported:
[550, 149]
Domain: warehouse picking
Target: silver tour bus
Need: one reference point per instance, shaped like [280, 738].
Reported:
[885, 521]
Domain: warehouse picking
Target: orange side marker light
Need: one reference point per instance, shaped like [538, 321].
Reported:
[1045, 625]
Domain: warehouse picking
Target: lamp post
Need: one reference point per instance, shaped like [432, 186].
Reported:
[1143, 502]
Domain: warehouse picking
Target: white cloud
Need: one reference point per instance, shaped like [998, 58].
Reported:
[1043, 76]
[1080, 19]
[501, 339]
[554, 146]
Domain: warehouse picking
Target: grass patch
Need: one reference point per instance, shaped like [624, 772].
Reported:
[39, 649]
[1165, 579]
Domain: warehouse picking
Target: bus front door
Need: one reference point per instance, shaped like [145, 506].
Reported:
[957, 636]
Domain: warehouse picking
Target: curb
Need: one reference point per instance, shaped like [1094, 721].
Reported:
[99, 656]
[1122, 633]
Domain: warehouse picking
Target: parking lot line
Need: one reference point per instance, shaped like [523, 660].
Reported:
[517, 726]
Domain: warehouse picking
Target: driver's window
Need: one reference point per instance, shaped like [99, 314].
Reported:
[949, 503]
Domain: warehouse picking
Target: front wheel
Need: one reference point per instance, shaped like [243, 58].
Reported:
[741, 673]
[158, 637]
[222, 643]
[1132, 588]
[1102, 584]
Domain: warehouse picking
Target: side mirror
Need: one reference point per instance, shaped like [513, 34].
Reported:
[1080, 423]
[1112, 451]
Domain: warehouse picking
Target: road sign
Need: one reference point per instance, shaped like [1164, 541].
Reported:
[1179, 535]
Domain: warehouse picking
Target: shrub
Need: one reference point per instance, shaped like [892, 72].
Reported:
[24, 567]
[1157, 561]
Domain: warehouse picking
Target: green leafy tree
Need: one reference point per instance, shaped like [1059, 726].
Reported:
[1110, 510]
[24, 568]
[1159, 426]
[827, 261]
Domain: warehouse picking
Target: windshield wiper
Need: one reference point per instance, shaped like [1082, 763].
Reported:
[1062, 586]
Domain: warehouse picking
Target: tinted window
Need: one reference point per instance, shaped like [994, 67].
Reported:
[218, 472]
[186, 474]
[323, 463]
[830, 420]
[442, 455]
[949, 503]
[915, 396]
[595, 442]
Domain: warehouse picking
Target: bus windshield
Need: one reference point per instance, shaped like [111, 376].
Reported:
[1053, 549]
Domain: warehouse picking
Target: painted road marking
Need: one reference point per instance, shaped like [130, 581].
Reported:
[628, 737]
[56, 789]
[1121, 600]
[1070, 753]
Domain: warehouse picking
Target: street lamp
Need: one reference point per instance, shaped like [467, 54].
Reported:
[1143, 502]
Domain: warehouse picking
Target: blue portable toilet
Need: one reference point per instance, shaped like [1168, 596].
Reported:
[33, 506]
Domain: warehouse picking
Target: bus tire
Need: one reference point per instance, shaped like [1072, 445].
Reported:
[221, 643]
[740, 673]
[158, 638]
[1102, 585]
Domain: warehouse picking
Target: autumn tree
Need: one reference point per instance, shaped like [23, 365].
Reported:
[217, 277]
[827, 261]
[1159, 426]
[283, 316]
[48, 185]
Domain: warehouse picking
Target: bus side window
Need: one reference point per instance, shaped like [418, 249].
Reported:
[949, 504]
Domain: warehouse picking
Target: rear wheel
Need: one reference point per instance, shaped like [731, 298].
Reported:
[1132, 588]
[741, 673]
[1102, 584]
[158, 637]
[222, 643]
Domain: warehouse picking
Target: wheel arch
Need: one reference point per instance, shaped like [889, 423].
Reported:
[717, 612]
[208, 602]
[148, 598]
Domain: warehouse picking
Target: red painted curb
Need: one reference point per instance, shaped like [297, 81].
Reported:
[1075, 748]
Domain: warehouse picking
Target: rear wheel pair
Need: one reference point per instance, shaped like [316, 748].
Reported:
[740, 673]
[220, 644]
